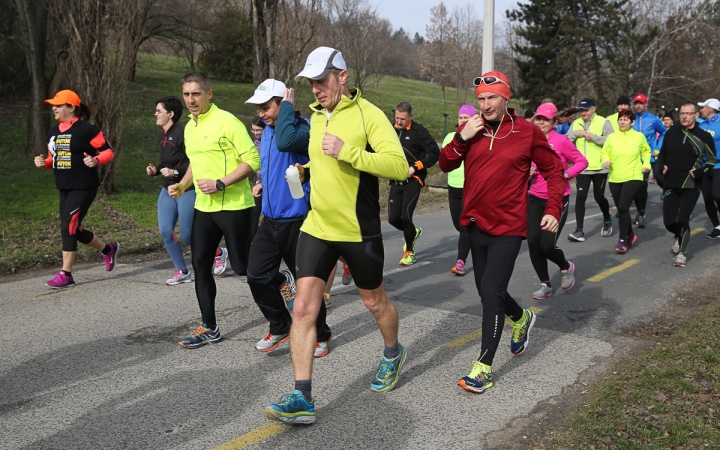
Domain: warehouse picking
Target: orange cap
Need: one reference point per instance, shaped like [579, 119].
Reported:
[66, 97]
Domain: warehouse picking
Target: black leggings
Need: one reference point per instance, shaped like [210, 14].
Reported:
[455, 199]
[401, 205]
[623, 196]
[74, 205]
[257, 212]
[677, 207]
[641, 196]
[275, 242]
[711, 195]
[493, 261]
[583, 186]
[542, 245]
[208, 230]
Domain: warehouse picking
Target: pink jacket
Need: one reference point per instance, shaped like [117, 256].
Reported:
[567, 153]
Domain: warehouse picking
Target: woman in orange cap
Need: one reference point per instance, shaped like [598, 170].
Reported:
[75, 149]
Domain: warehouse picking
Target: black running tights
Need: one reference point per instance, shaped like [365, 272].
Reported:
[711, 195]
[542, 245]
[677, 207]
[623, 195]
[74, 205]
[455, 199]
[401, 206]
[583, 186]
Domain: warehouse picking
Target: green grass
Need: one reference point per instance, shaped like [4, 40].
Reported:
[29, 222]
[667, 398]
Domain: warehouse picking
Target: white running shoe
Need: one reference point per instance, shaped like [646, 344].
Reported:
[178, 278]
[220, 262]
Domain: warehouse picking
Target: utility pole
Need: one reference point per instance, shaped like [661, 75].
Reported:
[488, 58]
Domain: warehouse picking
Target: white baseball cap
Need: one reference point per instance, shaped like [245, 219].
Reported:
[711, 102]
[268, 89]
[320, 62]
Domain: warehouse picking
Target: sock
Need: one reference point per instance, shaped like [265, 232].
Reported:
[522, 318]
[327, 296]
[304, 386]
[218, 252]
[106, 250]
[547, 283]
[567, 266]
[69, 274]
[184, 271]
[392, 352]
[209, 327]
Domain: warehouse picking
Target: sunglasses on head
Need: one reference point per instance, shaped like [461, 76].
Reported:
[488, 81]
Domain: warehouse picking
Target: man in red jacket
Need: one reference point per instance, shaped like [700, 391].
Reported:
[497, 149]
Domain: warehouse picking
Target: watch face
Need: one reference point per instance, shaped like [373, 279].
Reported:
[176, 172]
[219, 185]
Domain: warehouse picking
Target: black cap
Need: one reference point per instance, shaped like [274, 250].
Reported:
[623, 100]
[668, 114]
[586, 103]
[529, 113]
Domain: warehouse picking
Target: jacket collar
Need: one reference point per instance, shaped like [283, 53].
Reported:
[203, 117]
[407, 127]
[64, 126]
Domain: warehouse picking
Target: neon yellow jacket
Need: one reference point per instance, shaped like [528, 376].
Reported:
[629, 152]
[456, 178]
[344, 192]
[601, 128]
[216, 145]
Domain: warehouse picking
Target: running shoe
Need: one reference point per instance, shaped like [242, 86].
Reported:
[568, 278]
[617, 214]
[521, 334]
[459, 268]
[326, 299]
[220, 262]
[714, 234]
[293, 409]
[322, 348]
[662, 196]
[680, 260]
[675, 246]
[178, 278]
[408, 259]
[418, 233]
[653, 181]
[388, 372]
[542, 293]
[112, 256]
[621, 246]
[640, 221]
[479, 380]
[630, 240]
[271, 342]
[287, 290]
[606, 229]
[61, 281]
[577, 235]
[347, 276]
[201, 336]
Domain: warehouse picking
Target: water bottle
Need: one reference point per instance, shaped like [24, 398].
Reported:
[293, 179]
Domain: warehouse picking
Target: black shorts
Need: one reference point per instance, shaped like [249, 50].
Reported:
[316, 258]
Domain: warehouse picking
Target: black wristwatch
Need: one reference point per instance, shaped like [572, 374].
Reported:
[219, 185]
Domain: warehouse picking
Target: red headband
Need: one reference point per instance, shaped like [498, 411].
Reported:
[499, 88]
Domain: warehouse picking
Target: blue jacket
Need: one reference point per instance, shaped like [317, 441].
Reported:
[712, 126]
[281, 146]
[650, 126]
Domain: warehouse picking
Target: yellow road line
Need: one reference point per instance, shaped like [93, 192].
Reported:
[252, 437]
[604, 274]
[696, 231]
[477, 334]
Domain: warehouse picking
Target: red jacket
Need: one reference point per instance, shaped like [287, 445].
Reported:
[496, 181]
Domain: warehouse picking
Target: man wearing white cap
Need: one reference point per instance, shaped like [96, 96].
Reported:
[711, 181]
[352, 143]
[284, 143]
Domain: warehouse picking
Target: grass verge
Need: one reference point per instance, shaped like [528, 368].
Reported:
[668, 398]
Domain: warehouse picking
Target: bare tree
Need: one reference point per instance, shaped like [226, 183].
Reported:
[436, 51]
[264, 20]
[465, 36]
[296, 30]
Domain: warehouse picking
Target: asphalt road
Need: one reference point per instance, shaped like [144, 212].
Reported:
[98, 366]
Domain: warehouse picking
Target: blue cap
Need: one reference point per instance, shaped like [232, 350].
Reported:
[586, 103]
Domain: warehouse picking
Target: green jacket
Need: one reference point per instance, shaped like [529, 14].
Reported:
[601, 129]
[344, 192]
[216, 145]
[629, 153]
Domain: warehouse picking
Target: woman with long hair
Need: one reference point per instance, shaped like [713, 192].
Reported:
[75, 149]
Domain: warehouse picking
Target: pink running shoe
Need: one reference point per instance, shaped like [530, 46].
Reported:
[459, 268]
[61, 281]
[112, 256]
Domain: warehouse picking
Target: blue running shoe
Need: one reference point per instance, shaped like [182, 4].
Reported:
[479, 380]
[388, 372]
[293, 408]
[201, 336]
[287, 290]
[521, 334]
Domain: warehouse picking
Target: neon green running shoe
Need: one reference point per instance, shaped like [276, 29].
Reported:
[521, 333]
[479, 380]
[418, 233]
[408, 259]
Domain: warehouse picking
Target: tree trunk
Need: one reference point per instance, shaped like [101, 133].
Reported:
[34, 17]
[261, 71]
